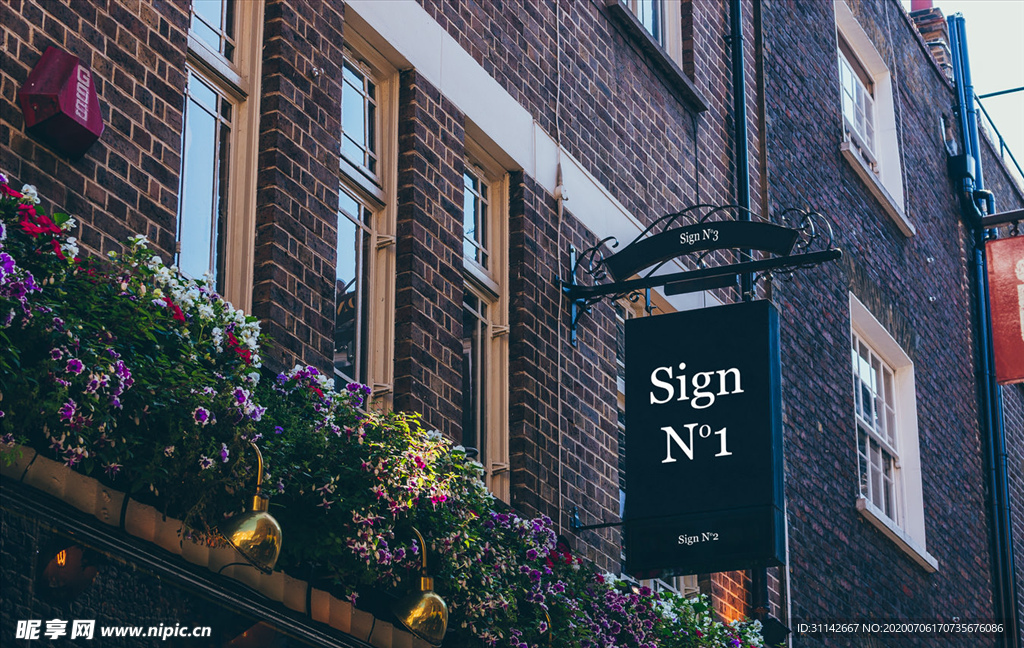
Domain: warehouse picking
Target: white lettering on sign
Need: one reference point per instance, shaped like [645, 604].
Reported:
[82, 94]
[692, 238]
[703, 432]
[699, 399]
[706, 536]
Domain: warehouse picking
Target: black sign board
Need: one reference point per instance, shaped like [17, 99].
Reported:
[704, 489]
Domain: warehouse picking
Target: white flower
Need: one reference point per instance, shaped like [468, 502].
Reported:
[70, 248]
[69, 225]
[139, 240]
[29, 194]
[205, 311]
[254, 377]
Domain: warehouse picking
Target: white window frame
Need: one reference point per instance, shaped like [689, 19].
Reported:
[239, 82]
[908, 531]
[879, 165]
[490, 284]
[378, 193]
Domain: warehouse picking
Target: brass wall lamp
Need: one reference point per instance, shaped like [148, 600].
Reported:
[256, 534]
[422, 611]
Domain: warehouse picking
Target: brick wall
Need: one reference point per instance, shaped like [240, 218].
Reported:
[127, 183]
[841, 566]
[428, 313]
[297, 183]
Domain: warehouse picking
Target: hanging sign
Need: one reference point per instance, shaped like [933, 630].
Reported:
[1006, 288]
[704, 483]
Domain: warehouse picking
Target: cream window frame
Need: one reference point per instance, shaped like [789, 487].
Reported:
[909, 532]
[239, 82]
[491, 285]
[379, 194]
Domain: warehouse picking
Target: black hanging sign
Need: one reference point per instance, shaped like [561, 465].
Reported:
[704, 487]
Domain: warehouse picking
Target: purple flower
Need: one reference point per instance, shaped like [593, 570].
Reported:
[112, 469]
[278, 429]
[280, 486]
[202, 416]
[169, 451]
[224, 453]
[531, 554]
[205, 462]
[56, 354]
[326, 504]
[74, 366]
[241, 395]
[67, 411]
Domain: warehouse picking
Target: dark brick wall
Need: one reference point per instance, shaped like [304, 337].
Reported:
[841, 567]
[297, 184]
[127, 183]
[428, 303]
[111, 600]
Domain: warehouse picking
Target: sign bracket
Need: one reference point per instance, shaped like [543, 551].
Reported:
[577, 524]
[694, 238]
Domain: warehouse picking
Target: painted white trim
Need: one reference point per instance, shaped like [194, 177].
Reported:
[887, 140]
[403, 30]
[905, 542]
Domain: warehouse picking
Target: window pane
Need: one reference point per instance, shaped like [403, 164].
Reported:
[474, 218]
[213, 22]
[474, 374]
[358, 117]
[351, 292]
[648, 12]
[203, 200]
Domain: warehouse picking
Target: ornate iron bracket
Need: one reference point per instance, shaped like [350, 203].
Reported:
[795, 239]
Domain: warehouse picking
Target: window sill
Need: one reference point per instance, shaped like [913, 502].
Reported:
[909, 546]
[676, 80]
[889, 204]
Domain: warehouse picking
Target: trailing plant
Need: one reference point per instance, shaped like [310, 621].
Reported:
[124, 369]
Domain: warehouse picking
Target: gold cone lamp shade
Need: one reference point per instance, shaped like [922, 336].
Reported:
[256, 534]
[422, 611]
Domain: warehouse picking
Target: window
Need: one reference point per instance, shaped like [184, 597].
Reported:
[889, 491]
[217, 192]
[871, 141]
[662, 19]
[365, 263]
[858, 100]
[485, 317]
[877, 454]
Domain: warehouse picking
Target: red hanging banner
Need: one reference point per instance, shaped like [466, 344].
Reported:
[1006, 287]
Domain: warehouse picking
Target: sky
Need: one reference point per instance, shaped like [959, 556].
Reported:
[995, 44]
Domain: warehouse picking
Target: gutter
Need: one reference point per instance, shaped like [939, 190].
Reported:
[975, 205]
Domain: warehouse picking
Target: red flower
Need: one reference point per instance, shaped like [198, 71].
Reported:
[176, 310]
[245, 355]
[57, 250]
[316, 390]
[9, 192]
[232, 340]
